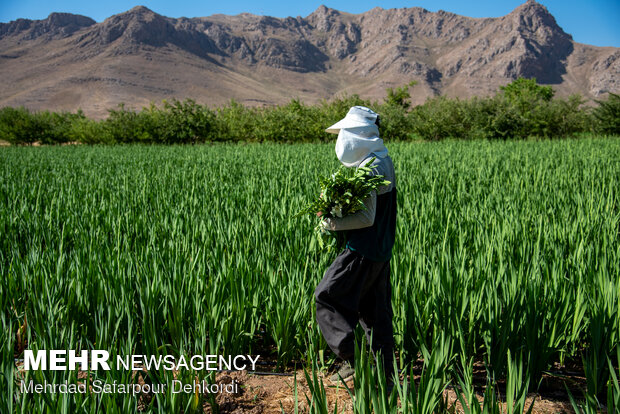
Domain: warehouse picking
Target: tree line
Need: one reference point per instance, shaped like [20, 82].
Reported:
[519, 110]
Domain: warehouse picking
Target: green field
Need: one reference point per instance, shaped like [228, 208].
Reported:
[501, 246]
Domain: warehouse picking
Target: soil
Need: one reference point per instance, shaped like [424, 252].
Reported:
[276, 394]
[272, 392]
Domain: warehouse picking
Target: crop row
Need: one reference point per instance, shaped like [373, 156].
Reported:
[503, 248]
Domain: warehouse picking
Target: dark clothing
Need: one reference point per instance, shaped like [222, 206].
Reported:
[375, 242]
[356, 289]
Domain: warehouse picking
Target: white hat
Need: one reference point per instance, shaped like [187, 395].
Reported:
[358, 137]
[358, 116]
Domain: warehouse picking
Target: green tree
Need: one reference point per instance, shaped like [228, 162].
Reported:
[526, 90]
[523, 109]
[607, 115]
[400, 96]
[19, 126]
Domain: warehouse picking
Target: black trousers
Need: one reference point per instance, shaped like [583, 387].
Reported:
[356, 289]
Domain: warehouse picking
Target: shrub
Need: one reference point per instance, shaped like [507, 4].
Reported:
[400, 96]
[55, 128]
[181, 122]
[234, 122]
[19, 126]
[525, 93]
[89, 131]
[285, 123]
[440, 118]
[127, 125]
[527, 109]
[607, 115]
[519, 110]
[396, 123]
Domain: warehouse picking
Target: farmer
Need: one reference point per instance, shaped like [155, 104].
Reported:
[356, 287]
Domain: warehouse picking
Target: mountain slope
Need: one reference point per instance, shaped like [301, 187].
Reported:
[67, 61]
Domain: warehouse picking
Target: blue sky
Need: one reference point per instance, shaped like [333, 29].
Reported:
[593, 22]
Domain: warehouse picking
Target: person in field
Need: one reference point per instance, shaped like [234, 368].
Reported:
[356, 287]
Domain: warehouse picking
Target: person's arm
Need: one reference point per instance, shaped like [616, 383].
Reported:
[361, 219]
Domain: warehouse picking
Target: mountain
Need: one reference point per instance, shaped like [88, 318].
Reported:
[68, 61]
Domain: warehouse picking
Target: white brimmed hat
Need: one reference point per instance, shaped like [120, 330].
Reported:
[358, 116]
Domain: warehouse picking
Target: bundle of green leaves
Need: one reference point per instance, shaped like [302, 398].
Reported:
[342, 194]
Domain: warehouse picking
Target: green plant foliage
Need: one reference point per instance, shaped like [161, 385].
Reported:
[519, 110]
[19, 126]
[399, 96]
[526, 92]
[522, 109]
[440, 118]
[234, 122]
[508, 248]
[89, 131]
[525, 109]
[396, 123]
[183, 122]
[342, 194]
[607, 115]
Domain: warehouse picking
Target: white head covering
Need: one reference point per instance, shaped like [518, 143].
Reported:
[358, 137]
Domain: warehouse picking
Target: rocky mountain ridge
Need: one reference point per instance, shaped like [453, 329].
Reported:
[68, 61]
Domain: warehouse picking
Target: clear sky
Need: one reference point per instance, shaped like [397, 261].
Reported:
[594, 22]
